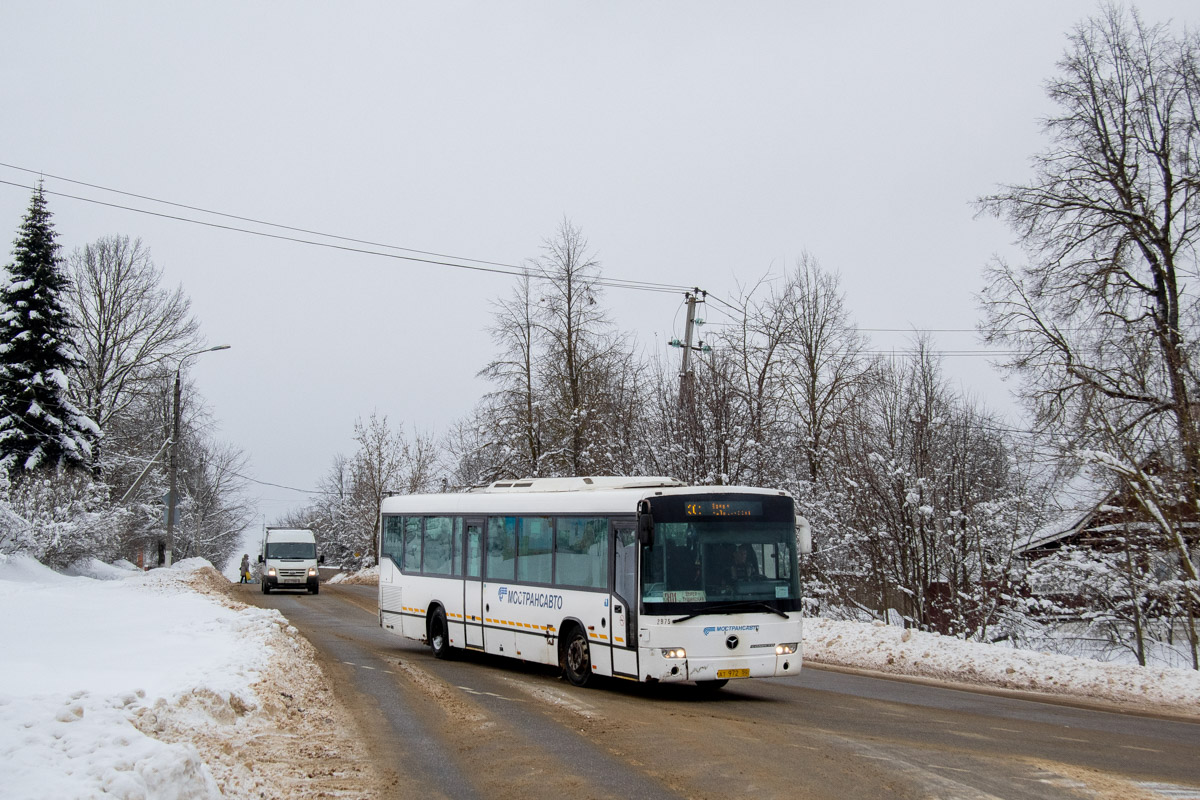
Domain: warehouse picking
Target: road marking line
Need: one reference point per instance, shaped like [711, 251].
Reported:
[1006, 730]
[1069, 739]
[364, 666]
[469, 690]
[1143, 749]
[1172, 790]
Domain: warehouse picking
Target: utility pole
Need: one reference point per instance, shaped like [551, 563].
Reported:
[685, 374]
[173, 466]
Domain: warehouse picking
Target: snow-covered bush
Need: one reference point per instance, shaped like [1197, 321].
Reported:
[58, 517]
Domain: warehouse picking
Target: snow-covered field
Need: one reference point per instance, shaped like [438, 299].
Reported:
[124, 684]
[132, 685]
[891, 649]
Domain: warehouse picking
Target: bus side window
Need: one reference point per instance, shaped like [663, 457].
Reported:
[502, 548]
[581, 552]
[392, 545]
[456, 548]
[474, 550]
[437, 546]
[536, 539]
[412, 544]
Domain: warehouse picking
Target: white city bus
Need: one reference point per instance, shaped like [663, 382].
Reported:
[638, 578]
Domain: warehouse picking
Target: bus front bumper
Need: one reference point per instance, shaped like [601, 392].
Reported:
[656, 667]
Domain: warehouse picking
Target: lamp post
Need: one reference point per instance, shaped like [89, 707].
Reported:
[173, 467]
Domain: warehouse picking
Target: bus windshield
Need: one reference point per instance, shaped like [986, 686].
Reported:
[721, 552]
[306, 550]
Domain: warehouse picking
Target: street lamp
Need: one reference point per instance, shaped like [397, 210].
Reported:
[174, 465]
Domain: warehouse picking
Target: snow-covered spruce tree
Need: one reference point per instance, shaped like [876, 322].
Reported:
[39, 427]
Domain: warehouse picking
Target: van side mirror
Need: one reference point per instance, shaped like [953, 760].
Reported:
[803, 535]
[260, 558]
[321, 559]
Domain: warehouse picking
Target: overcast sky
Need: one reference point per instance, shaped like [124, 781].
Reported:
[694, 143]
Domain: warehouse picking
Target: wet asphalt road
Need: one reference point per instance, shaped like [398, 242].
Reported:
[484, 727]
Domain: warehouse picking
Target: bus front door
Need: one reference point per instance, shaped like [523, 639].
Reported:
[473, 585]
[624, 602]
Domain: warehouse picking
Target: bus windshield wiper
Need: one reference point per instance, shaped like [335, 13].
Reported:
[744, 605]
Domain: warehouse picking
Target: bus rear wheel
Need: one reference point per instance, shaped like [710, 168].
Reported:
[576, 658]
[439, 638]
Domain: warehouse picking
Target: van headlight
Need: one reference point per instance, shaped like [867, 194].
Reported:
[312, 572]
[271, 572]
[786, 649]
[674, 652]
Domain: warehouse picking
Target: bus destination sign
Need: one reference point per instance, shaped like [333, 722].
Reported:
[723, 508]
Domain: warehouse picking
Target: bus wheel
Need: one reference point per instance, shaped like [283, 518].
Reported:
[438, 636]
[577, 658]
[710, 687]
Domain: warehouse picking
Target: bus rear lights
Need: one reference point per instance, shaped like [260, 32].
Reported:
[674, 652]
[786, 649]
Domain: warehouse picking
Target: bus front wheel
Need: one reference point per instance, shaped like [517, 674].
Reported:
[439, 638]
[577, 658]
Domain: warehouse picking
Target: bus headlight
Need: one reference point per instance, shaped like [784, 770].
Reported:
[786, 649]
[674, 652]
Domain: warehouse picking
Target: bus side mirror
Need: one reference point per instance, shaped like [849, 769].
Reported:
[803, 535]
[645, 530]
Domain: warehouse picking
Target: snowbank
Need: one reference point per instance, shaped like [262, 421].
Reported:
[364, 577]
[887, 648]
[148, 685]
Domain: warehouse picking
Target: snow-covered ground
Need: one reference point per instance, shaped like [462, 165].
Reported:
[132, 685]
[125, 684]
[891, 649]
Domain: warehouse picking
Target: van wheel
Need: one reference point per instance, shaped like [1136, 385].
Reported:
[576, 658]
[315, 589]
[266, 589]
[439, 637]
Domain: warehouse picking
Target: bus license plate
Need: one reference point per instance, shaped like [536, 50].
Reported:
[733, 673]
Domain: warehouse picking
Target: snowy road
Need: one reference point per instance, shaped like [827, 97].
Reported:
[480, 727]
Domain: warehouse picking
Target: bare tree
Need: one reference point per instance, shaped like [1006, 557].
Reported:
[127, 327]
[514, 408]
[928, 474]
[214, 509]
[828, 366]
[583, 357]
[386, 463]
[1103, 317]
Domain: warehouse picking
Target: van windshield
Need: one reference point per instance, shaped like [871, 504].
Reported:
[291, 550]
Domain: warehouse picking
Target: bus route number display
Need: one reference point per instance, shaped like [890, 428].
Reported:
[723, 508]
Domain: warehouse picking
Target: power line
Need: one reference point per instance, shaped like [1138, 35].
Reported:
[477, 265]
[280, 485]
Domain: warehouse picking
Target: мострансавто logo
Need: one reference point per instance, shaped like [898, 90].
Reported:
[520, 597]
[727, 628]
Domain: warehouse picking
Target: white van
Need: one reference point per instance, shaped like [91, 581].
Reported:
[289, 560]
